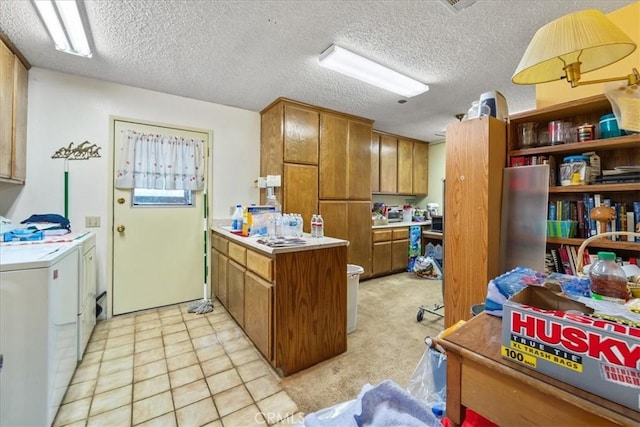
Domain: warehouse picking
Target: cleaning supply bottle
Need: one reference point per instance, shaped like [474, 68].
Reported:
[608, 279]
[237, 219]
[272, 200]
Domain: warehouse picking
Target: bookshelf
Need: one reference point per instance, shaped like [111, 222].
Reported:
[613, 152]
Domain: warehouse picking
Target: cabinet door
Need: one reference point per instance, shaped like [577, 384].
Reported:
[215, 272]
[381, 258]
[334, 132]
[7, 60]
[388, 164]
[300, 184]
[334, 214]
[258, 313]
[359, 161]
[399, 254]
[420, 169]
[21, 82]
[223, 264]
[405, 166]
[375, 163]
[235, 287]
[359, 235]
[475, 153]
[301, 132]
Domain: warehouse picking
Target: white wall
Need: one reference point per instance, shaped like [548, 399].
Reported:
[65, 108]
[437, 162]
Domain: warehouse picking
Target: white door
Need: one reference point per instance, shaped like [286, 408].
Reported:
[157, 242]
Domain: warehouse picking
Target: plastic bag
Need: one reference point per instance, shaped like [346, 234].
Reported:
[625, 103]
[429, 381]
[426, 267]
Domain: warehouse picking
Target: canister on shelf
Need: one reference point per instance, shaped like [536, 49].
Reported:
[574, 170]
[586, 132]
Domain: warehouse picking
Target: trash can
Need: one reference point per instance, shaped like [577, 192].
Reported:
[353, 280]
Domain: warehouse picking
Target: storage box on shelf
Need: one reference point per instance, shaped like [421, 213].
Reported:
[613, 152]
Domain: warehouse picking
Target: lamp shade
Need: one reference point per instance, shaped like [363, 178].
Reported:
[587, 37]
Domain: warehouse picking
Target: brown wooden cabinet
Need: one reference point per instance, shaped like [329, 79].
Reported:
[345, 151]
[388, 164]
[350, 220]
[476, 151]
[300, 135]
[300, 189]
[280, 298]
[390, 250]
[235, 291]
[375, 162]
[13, 113]
[342, 149]
[399, 165]
[420, 168]
[258, 312]
[405, 166]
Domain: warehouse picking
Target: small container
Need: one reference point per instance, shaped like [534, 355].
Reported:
[574, 170]
[608, 279]
[527, 134]
[557, 132]
[609, 126]
[586, 132]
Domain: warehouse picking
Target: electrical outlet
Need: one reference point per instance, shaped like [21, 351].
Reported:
[92, 221]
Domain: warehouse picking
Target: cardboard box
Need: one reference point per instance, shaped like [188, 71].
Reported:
[555, 336]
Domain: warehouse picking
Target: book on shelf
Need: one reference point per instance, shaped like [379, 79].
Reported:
[636, 218]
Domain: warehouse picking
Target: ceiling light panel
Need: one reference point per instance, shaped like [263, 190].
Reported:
[348, 63]
[65, 27]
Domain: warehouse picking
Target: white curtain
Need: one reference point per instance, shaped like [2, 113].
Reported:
[160, 162]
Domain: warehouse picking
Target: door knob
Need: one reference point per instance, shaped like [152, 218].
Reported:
[120, 229]
[121, 200]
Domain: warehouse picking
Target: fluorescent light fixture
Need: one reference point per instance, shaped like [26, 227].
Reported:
[346, 62]
[62, 19]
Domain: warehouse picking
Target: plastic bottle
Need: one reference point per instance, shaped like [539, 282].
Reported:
[314, 225]
[320, 222]
[237, 218]
[300, 225]
[608, 279]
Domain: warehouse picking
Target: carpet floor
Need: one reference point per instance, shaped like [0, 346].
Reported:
[387, 344]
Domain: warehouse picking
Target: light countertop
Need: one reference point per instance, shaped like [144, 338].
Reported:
[401, 224]
[311, 243]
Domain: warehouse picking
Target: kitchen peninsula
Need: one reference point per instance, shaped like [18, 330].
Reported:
[290, 301]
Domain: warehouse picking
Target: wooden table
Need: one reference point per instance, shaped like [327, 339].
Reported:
[512, 395]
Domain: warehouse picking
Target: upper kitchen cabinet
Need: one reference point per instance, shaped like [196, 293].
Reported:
[388, 164]
[405, 166]
[320, 154]
[344, 157]
[300, 135]
[13, 113]
[420, 168]
[398, 165]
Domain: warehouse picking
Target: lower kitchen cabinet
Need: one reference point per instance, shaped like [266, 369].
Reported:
[381, 258]
[350, 220]
[235, 289]
[258, 312]
[390, 250]
[280, 297]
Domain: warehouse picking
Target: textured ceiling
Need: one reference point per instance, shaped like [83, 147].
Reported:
[247, 53]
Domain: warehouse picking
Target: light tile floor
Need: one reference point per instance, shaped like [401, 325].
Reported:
[169, 367]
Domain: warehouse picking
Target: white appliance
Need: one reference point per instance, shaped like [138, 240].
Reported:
[86, 290]
[38, 330]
